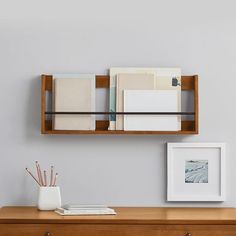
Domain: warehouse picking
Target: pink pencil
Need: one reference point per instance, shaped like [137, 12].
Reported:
[45, 178]
[38, 172]
[55, 179]
[51, 177]
[33, 176]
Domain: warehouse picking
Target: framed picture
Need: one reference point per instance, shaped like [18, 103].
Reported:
[195, 172]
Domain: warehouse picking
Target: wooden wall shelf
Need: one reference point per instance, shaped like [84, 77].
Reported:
[102, 81]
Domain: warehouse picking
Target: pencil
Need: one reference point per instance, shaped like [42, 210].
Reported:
[55, 180]
[45, 178]
[38, 172]
[51, 177]
[33, 176]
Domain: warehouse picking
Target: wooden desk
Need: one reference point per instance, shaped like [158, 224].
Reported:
[137, 221]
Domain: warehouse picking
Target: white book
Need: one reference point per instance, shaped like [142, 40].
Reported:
[74, 93]
[64, 212]
[151, 101]
[82, 206]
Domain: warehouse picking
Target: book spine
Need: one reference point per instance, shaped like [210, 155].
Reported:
[112, 102]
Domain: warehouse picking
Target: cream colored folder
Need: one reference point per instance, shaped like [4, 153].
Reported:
[74, 93]
[130, 82]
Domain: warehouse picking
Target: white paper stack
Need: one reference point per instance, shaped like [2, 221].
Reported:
[151, 101]
[74, 93]
[85, 210]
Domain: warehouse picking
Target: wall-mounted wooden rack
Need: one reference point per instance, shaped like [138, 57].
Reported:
[102, 81]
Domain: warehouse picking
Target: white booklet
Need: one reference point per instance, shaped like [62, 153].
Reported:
[74, 93]
[83, 206]
[151, 101]
[64, 212]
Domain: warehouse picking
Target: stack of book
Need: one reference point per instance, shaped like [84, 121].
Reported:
[145, 90]
[71, 210]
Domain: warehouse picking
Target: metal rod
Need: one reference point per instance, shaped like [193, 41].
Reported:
[117, 113]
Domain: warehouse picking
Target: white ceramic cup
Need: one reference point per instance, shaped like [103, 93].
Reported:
[49, 198]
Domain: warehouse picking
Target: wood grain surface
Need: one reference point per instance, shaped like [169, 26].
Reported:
[125, 215]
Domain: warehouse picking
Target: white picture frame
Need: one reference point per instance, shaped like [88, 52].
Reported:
[196, 172]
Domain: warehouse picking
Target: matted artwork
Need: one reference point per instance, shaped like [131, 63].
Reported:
[196, 171]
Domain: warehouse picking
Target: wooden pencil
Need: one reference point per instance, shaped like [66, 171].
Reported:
[38, 172]
[45, 177]
[51, 176]
[32, 176]
[41, 176]
[55, 180]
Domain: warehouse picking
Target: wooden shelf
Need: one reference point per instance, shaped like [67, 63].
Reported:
[188, 127]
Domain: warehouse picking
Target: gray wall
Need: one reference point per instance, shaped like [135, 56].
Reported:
[90, 36]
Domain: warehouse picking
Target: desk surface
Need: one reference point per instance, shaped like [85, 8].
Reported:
[125, 215]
